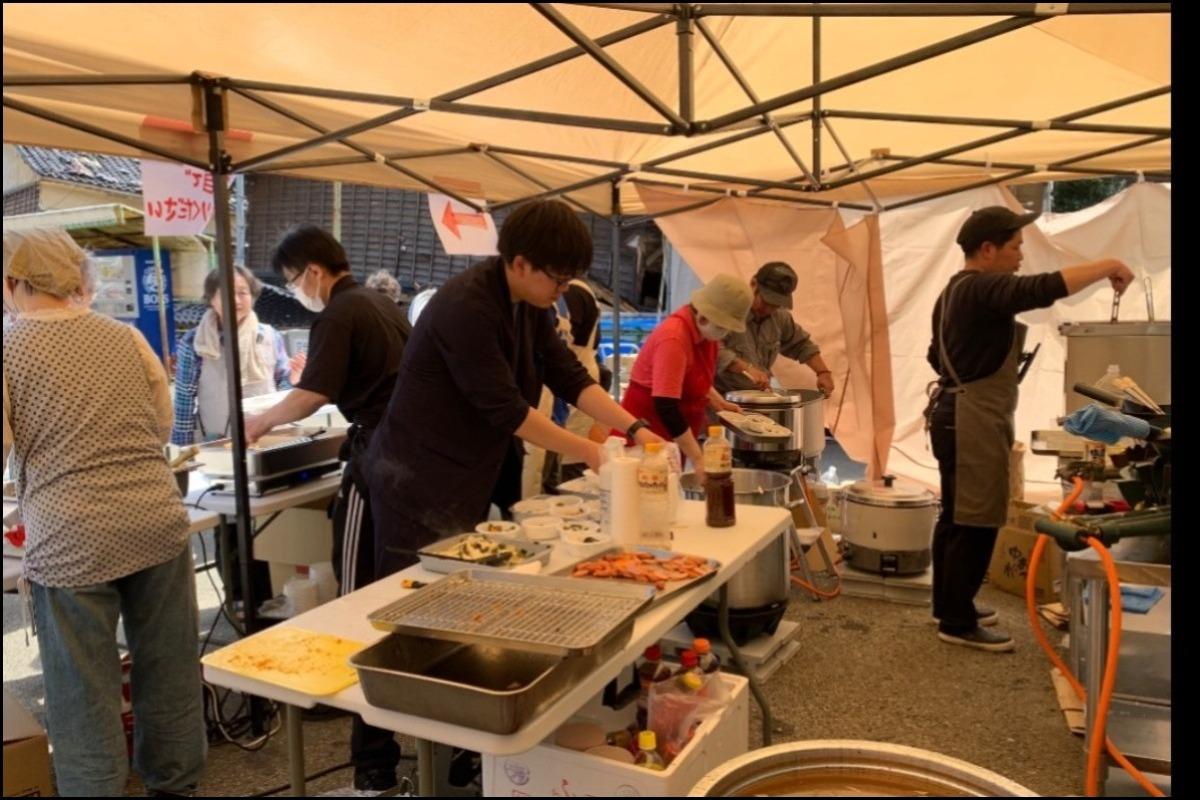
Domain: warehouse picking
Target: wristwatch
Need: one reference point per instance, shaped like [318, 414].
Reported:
[637, 425]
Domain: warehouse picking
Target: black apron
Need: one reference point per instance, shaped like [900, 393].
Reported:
[984, 432]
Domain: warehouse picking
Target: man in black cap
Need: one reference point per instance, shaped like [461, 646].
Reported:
[746, 358]
[977, 353]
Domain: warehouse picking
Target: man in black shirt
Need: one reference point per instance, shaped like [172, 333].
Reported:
[354, 352]
[470, 382]
[976, 351]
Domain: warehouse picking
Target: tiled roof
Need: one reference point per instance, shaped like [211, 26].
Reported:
[114, 173]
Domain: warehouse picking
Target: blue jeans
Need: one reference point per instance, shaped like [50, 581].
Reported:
[77, 639]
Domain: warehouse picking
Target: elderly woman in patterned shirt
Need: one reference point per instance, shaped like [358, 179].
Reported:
[87, 412]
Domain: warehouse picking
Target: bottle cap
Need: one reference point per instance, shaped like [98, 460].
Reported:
[689, 659]
[702, 646]
[653, 653]
[647, 741]
[652, 447]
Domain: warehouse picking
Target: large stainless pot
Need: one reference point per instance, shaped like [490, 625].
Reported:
[801, 410]
[888, 526]
[1141, 349]
[842, 767]
[764, 579]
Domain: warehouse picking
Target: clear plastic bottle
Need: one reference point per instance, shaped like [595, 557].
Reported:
[718, 482]
[653, 480]
[614, 447]
[1108, 381]
[689, 664]
[651, 671]
[647, 755]
[708, 661]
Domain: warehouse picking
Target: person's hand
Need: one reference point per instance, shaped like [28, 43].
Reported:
[825, 382]
[296, 366]
[257, 425]
[645, 435]
[591, 455]
[725, 405]
[760, 377]
[698, 471]
[1120, 277]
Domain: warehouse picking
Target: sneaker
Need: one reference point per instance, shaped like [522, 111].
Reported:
[375, 780]
[980, 639]
[984, 616]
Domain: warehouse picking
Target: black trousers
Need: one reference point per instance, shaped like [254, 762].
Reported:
[371, 748]
[961, 553]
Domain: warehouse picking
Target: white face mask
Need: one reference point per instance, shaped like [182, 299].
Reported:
[712, 331]
[313, 304]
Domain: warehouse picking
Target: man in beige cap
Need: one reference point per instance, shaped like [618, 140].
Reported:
[671, 385]
[746, 357]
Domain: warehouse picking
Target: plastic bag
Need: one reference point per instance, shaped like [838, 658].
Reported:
[675, 713]
[1105, 425]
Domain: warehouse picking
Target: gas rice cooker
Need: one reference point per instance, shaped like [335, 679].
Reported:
[887, 526]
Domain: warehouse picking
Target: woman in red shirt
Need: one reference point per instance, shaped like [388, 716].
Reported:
[671, 384]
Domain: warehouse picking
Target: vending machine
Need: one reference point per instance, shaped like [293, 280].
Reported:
[127, 289]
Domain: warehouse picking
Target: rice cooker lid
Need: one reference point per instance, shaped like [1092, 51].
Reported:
[890, 493]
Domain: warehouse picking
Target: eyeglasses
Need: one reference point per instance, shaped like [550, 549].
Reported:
[559, 281]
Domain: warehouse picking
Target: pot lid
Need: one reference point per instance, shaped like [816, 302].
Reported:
[890, 493]
[761, 397]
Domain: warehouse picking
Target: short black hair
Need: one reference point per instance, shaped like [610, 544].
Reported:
[549, 235]
[308, 244]
[212, 282]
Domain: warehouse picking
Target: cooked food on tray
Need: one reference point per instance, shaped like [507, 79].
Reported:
[478, 547]
[644, 568]
[755, 424]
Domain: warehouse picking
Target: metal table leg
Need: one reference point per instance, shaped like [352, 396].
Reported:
[295, 737]
[425, 768]
[1097, 646]
[755, 686]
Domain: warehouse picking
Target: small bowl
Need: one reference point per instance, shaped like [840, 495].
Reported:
[592, 509]
[500, 527]
[575, 538]
[568, 513]
[565, 501]
[531, 507]
[542, 528]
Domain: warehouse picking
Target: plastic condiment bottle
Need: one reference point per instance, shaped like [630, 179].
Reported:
[651, 671]
[708, 661]
[689, 663]
[653, 478]
[647, 755]
[718, 483]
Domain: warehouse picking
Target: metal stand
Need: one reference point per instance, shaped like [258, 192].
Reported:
[755, 686]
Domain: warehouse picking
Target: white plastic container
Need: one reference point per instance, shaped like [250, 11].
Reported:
[531, 507]
[541, 529]
[500, 527]
[548, 770]
[327, 585]
[302, 594]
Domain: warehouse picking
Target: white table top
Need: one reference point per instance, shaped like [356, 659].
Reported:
[226, 504]
[347, 617]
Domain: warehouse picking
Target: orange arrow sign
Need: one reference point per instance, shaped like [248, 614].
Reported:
[452, 220]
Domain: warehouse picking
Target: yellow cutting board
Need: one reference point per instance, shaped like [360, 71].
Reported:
[312, 663]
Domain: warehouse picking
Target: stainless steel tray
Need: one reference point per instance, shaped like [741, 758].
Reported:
[477, 686]
[535, 613]
[669, 589]
[432, 557]
[730, 420]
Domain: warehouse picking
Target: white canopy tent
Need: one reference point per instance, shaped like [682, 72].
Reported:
[810, 104]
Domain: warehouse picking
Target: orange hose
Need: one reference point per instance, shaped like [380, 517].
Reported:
[795, 565]
[1110, 672]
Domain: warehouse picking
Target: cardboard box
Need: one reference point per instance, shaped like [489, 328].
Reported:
[26, 753]
[1010, 557]
[551, 771]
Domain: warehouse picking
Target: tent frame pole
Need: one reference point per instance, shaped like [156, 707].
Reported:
[615, 285]
[871, 71]
[568, 29]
